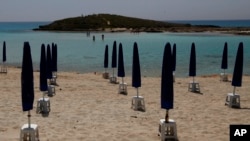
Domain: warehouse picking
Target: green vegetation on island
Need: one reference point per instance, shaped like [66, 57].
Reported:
[102, 22]
[118, 23]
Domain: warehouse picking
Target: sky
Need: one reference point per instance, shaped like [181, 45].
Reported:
[164, 10]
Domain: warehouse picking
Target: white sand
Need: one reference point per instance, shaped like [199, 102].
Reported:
[88, 107]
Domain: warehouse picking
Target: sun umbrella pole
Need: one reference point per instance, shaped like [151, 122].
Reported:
[193, 79]
[234, 91]
[137, 92]
[122, 81]
[113, 72]
[3, 65]
[43, 95]
[167, 116]
[29, 118]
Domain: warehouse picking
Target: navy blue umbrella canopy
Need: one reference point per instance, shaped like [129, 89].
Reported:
[54, 57]
[121, 72]
[27, 79]
[106, 57]
[136, 71]
[224, 57]
[43, 75]
[4, 51]
[238, 67]
[167, 89]
[49, 63]
[114, 56]
[192, 63]
[174, 57]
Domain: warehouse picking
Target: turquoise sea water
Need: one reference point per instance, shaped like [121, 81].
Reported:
[78, 53]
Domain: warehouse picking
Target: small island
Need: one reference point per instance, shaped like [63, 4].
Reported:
[118, 23]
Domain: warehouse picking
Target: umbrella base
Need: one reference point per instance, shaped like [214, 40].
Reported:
[3, 69]
[43, 106]
[54, 74]
[223, 77]
[52, 81]
[113, 79]
[123, 88]
[138, 103]
[194, 87]
[167, 130]
[51, 90]
[29, 133]
[105, 75]
[233, 100]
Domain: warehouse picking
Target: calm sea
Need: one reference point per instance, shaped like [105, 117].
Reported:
[79, 53]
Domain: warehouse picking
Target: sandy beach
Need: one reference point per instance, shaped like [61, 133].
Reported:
[88, 107]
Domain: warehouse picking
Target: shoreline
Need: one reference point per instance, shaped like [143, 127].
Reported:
[222, 30]
[128, 75]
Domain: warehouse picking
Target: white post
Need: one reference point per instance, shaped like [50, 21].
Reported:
[234, 91]
[29, 122]
[137, 92]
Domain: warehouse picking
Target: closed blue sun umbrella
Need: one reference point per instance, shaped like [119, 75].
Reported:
[49, 63]
[238, 68]
[43, 75]
[106, 58]
[54, 57]
[192, 63]
[114, 57]
[167, 89]
[4, 52]
[121, 72]
[27, 81]
[136, 71]
[224, 58]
